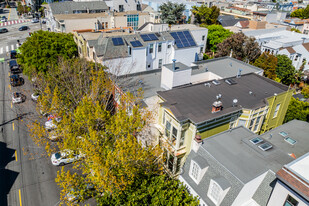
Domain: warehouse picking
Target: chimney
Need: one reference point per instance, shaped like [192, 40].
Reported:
[197, 142]
[216, 107]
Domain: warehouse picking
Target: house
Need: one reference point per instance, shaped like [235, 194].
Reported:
[292, 185]
[125, 53]
[226, 20]
[203, 109]
[120, 5]
[238, 167]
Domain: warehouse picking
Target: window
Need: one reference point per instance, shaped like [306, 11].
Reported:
[242, 122]
[202, 49]
[256, 140]
[195, 169]
[290, 201]
[284, 134]
[132, 21]
[276, 110]
[203, 37]
[168, 129]
[121, 8]
[257, 122]
[150, 48]
[251, 124]
[178, 163]
[160, 63]
[214, 192]
[182, 138]
[159, 47]
[290, 140]
[169, 46]
[130, 50]
[174, 136]
[163, 118]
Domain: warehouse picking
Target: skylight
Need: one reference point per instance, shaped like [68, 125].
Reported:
[266, 146]
[290, 140]
[282, 133]
[215, 82]
[256, 140]
[230, 81]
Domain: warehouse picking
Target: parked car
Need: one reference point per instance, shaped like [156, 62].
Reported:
[17, 97]
[44, 21]
[13, 54]
[65, 157]
[16, 80]
[14, 67]
[53, 136]
[4, 30]
[23, 28]
[4, 19]
[35, 20]
[35, 96]
[51, 124]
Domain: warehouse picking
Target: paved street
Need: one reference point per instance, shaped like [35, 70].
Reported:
[27, 177]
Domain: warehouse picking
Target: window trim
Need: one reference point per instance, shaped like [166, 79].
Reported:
[194, 167]
[210, 191]
[276, 110]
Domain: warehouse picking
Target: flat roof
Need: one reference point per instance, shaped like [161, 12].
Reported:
[178, 66]
[194, 102]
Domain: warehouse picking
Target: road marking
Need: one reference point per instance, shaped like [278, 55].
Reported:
[17, 45]
[11, 105]
[1, 50]
[7, 48]
[16, 155]
[20, 198]
[10, 87]
[9, 15]
[12, 46]
[13, 125]
[9, 74]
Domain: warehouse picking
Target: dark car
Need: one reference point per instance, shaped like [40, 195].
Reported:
[14, 67]
[23, 28]
[13, 54]
[3, 30]
[16, 80]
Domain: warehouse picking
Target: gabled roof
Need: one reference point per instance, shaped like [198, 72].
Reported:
[69, 6]
[290, 50]
[194, 102]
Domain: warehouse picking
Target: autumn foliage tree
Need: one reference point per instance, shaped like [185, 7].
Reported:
[268, 63]
[240, 47]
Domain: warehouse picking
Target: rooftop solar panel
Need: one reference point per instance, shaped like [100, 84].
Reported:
[149, 37]
[136, 43]
[152, 37]
[117, 41]
[183, 39]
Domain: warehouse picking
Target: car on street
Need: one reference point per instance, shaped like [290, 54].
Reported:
[4, 30]
[35, 20]
[50, 124]
[14, 67]
[65, 157]
[13, 54]
[17, 97]
[4, 19]
[44, 21]
[16, 80]
[35, 96]
[23, 28]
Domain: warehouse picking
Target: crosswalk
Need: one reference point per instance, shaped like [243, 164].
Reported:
[8, 48]
[14, 22]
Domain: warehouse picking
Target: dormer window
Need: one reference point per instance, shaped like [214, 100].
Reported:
[195, 171]
[198, 168]
[217, 190]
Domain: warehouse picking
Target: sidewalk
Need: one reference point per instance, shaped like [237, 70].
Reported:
[14, 22]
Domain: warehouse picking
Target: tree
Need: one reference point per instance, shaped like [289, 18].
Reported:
[297, 110]
[216, 34]
[40, 51]
[171, 12]
[285, 70]
[153, 190]
[268, 63]
[205, 15]
[240, 46]
[296, 30]
[305, 91]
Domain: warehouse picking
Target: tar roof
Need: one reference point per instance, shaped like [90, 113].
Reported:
[295, 129]
[178, 66]
[194, 102]
[68, 7]
[225, 67]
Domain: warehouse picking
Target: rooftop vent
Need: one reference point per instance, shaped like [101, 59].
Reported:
[206, 69]
[266, 146]
[235, 102]
[215, 82]
[250, 92]
[216, 107]
[231, 64]
[218, 96]
[207, 84]
[239, 73]
[256, 140]
[230, 81]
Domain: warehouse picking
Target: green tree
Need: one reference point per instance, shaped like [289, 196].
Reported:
[153, 190]
[240, 46]
[268, 63]
[205, 15]
[297, 110]
[296, 30]
[305, 91]
[216, 34]
[285, 70]
[40, 51]
[171, 13]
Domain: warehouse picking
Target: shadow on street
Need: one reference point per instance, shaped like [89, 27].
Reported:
[7, 177]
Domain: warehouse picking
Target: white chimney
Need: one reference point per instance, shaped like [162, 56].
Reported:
[196, 143]
[175, 74]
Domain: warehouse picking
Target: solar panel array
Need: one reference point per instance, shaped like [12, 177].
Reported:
[183, 39]
[136, 43]
[149, 37]
[117, 41]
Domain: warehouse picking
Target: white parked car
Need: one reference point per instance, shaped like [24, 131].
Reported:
[51, 124]
[35, 96]
[53, 136]
[64, 157]
[17, 97]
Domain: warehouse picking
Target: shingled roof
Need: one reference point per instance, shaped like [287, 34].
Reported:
[67, 7]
